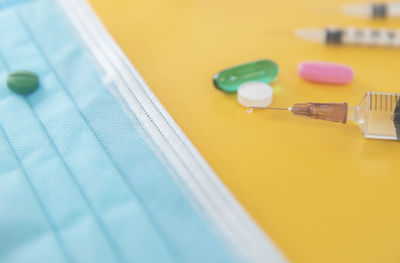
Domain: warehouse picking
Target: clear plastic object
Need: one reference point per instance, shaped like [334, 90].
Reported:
[378, 115]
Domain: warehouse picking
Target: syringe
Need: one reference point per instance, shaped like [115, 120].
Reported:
[378, 114]
[352, 36]
[373, 10]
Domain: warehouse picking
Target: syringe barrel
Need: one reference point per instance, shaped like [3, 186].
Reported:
[336, 112]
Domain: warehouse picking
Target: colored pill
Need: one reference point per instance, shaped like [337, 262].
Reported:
[22, 82]
[230, 79]
[323, 72]
[255, 94]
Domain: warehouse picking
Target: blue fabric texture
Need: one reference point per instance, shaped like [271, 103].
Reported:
[77, 181]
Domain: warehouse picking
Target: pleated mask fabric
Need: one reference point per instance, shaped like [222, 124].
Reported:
[82, 178]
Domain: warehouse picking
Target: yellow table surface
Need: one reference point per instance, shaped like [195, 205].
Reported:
[320, 190]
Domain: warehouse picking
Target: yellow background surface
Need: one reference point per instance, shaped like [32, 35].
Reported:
[320, 190]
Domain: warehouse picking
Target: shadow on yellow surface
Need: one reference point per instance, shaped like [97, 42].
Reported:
[320, 190]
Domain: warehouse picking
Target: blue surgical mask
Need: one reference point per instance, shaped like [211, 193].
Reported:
[93, 169]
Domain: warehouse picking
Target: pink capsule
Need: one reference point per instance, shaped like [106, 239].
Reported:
[323, 72]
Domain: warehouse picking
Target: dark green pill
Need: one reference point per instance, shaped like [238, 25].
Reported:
[22, 82]
[230, 79]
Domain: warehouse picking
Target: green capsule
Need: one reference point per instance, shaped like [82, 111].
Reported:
[22, 82]
[230, 79]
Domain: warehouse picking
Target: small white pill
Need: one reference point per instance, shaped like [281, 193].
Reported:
[255, 94]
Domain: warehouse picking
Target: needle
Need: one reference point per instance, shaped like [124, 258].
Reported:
[269, 108]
